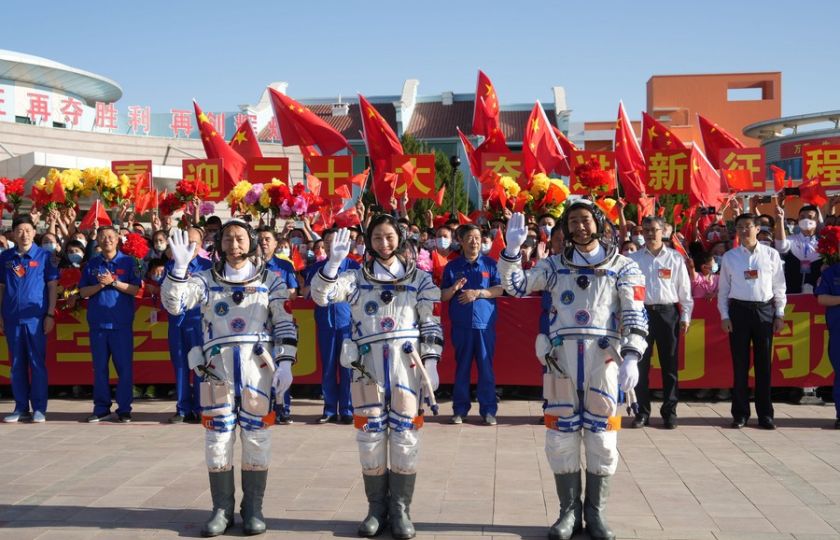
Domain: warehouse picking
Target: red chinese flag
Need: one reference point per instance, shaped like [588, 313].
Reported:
[382, 145]
[541, 151]
[58, 195]
[811, 191]
[629, 160]
[361, 178]
[486, 109]
[677, 244]
[145, 202]
[462, 219]
[313, 184]
[347, 218]
[553, 196]
[96, 217]
[715, 139]
[297, 260]
[417, 175]
[563, 168]
[469, 149]
[498, 245]
[216, 148]
[778, 178]
[244, 141]
[704, 181]
[439, 197]
[678, 218]
[645, 207]
[301, 127]
[309, 152]
[655, 136]
[739, 179]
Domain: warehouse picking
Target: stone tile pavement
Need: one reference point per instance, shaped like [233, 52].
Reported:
[68, 480]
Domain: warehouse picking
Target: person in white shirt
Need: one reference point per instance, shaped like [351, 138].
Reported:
[751, 301]
[799, 251]
[667, 284]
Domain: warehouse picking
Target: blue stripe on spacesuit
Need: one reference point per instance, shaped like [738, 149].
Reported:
[367, 287]
[515, 281]
[591, 422]
[255, 389]
[237, 376]
[580, 365]
[585, 272]
[239, 288]
[386, 356]
[550, 405]
[407, 389]
[250, 423]
[366, 405]
[597, 391]
[400, 425]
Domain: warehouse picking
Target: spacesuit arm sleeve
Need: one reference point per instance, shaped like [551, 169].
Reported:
[326, 291]
[518, 282]
[283, 328]
[631, 294]
[428, 318]
[182, 294]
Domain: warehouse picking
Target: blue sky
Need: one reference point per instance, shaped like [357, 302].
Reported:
[224, 53]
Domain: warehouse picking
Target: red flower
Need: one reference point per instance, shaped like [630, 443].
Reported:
[135, 245]
[170, 204]
[69, 278]
[592, 176]
[828, 244]
[40, 198]
[187, 190]
[298, 189]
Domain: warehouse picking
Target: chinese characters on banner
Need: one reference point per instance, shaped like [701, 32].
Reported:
[261, 170]
[133, 168]
[139, 119]
[668, 171]
[208, 171]
[181, 122]
[789, 150]
[605, 158]
[823, 162]
[749, 159]
[333, 172]
[420, 184]
[505, 164]
[106, 115]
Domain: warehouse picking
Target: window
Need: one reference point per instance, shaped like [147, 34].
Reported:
[744, 94]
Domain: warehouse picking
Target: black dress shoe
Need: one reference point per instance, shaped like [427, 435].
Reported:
[345, 419]
[640, 420]
[766, 423]
[124, 418]
[176, 419]
[328, 418]
[738, 423]
[670, 422]
[283, 419]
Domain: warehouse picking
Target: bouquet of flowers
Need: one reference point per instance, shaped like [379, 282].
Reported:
[591, 176]
[828, 244]
[548, 195]
[190, 190]
[12, 193]
[136, 246]
[59, 189]
[237, 194]
[170, 204]
[112, 189]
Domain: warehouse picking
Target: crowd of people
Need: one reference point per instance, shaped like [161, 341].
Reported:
[611, 292]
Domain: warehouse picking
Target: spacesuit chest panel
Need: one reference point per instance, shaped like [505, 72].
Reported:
[584, 302]
[236, 310]
[382, 309]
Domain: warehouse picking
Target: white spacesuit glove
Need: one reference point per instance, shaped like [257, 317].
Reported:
[431, 370]
[182, 251]
[515, 234]
[628, 373]
[282, 378]
[339, 248]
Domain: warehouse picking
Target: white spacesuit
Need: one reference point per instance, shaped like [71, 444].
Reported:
[395, 332]
[250, 342]
[597, 322]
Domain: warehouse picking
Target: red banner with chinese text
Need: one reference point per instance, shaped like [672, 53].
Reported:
[750, 159]
[421, 183]
[789, 150]
[210, 172]
[579, 157]
[668, 171]
[334, 172]
[133, 168]
[262, 170]
[505, 164]
[822, 161]
[800, 358]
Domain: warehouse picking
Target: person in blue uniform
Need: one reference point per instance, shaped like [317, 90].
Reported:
[185, 332]
[109, 282]
[28, 292]
[333, 327]
[828, 294]
[470, 284]
[286, 272]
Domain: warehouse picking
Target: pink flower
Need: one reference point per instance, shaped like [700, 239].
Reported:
[424, 260]
[206, 209]
[285, 211]
[254, 194]
[299, 207]
[2, 193]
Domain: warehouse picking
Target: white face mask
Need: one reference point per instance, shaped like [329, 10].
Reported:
[807, 224]
[285, 252]
[639, 240]
[767, 243]
[713, 236]
[443, 242]
[160, 246]
[360, 249]
[485, 248]
[296, 240]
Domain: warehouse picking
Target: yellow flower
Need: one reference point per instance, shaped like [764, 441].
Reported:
[510, 186]
[265, 199]
[539, 185]
[125, 184]
[238, 192]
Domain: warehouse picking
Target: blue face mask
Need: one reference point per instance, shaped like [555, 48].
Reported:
[48, 246]
[715, 267]
[75, 258]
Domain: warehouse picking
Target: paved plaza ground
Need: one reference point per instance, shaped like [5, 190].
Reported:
[68, 480]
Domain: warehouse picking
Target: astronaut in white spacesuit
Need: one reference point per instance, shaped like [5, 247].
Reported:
[395, 346]
[250, 343]
[597, 329]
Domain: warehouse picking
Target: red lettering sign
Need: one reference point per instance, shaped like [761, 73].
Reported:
[750, 159]
[333, 172]
[420, 182]
[208, 171]
[260, 170]
[605, 158]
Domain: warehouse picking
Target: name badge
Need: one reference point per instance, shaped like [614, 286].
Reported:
[750, 274]
[805, 267]
[33, 264]
[664, 273]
